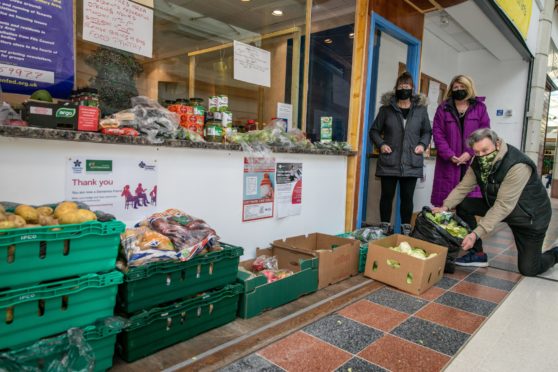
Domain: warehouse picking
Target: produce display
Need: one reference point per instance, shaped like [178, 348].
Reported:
[406, 248]
[268, 267]
[170, 235]
[367, 234]
[445, 221]
[26, 216]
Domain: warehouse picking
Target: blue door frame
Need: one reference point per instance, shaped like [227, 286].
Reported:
[379, 25]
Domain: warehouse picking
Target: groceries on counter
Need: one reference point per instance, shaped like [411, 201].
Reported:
[26, 216]
[170, 235]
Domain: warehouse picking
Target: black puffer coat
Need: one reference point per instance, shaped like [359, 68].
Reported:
[388, 129]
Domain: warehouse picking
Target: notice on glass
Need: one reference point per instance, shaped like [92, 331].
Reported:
[433, 95]
[124, 187]
[285, 111]
[289, 189]
[120, 24]
[37, 46]
[251, 64]
[259, 189]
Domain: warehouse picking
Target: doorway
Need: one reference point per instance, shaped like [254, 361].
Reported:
[389, 45]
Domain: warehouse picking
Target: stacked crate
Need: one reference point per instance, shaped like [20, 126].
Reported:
[54, 278]
[171, 301]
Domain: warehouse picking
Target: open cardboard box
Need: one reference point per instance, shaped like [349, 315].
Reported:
[338, 257]
[259, 295]
[414, 275]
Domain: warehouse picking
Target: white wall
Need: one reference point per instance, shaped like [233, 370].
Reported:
[504, 83]
[204, 183]
[438, 59]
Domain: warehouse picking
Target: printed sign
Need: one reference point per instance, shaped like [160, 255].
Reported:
[519, 12]
[289, 189]
[120, 24]
[251, 64]
[126, 188]
[37, 46]
[259, 188]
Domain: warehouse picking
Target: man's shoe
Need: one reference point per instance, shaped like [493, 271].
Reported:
[476, 259]
[555, 252]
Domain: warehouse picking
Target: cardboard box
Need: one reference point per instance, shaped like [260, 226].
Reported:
[50, 115]
[259, 295]
[413, 274]
[338, 257]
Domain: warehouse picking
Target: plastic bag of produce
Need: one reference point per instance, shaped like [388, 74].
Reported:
[447, 230]
[265, 263]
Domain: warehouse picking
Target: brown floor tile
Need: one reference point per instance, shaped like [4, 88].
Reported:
[397, 354]
[374, 315]
[451, 317]
[506, 259]
[460, 273]
[494, 250]
[432, 293]
[480, 291]
[500, 274]
[302, 352]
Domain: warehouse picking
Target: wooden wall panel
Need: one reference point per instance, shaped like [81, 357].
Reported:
[401, 14]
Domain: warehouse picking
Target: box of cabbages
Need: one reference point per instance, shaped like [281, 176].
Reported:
[409, 264]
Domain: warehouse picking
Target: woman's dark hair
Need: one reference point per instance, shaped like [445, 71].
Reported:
[404, 78]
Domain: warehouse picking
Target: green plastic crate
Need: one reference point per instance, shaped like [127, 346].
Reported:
[32, 313]
[101, 339]
[33, 255]
[161, 282]
[259, 295]
[159, 328]
[363, 252]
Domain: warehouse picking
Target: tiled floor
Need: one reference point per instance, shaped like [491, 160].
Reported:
[391, 330]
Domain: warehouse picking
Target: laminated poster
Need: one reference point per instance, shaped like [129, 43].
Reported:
[37, 46]
[124, 187]
[289, 189]
[251, 64]
[259, 189]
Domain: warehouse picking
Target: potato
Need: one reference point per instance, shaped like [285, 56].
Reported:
[3, 217]
[45, 211]
[29, 225]
[47, 220]
[85, 215]
[28, 213]
[65, 207]
[17, 220]
[69, 217]
[7, 225]
[2, 209]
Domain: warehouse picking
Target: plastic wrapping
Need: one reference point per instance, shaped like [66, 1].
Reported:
[9, 117]
[188, 135]
[143, 245]
[367, 234]
[265, 263]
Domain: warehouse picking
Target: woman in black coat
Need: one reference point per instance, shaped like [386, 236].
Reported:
[402, 132]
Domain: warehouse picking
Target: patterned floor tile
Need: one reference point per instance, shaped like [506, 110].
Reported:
[497, 264]
[302, 352]
[397, 300]
[251, 363]
[432, 293]
[446, 283]
[374, 315]
[437, 337]
[493, 250]
[510, 252]
[466, 303]
[344, 333]
[480, 291]
[501, 274]
[358, 365]
[461, 273]
[490, 281]
[507, 258]
[396, 354]
[451, 317]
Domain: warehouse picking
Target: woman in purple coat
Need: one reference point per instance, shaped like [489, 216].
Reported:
[461, 113]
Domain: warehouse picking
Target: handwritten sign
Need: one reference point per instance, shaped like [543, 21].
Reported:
[252, 64]
[26, 73]
[120, 24]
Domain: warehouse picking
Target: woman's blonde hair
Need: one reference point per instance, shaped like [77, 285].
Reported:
[467, 82]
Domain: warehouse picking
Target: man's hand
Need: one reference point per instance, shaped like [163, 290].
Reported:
[455, 160]
[385, 149]
[469, 241]
[419, 149]
[464, 158]
[439, 209]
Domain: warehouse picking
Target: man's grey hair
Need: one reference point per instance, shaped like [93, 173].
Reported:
[481, 134]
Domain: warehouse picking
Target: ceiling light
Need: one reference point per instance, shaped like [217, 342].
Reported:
[352, 35]
[328, 41]
[277, 13]
[245, 1]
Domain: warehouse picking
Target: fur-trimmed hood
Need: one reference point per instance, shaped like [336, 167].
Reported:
[418, 99]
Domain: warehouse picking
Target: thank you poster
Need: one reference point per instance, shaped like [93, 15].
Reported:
[37, 46]
[124, 187]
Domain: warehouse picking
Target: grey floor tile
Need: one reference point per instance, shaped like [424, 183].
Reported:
[489, 281]
[343, 333]
[466, 303]
[510, 252]
[434, 336]
[252, 363]
[359, 365]
[446, 283]
[397, 300]
[503, 265]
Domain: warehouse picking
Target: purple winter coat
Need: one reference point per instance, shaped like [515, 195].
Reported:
[450, 142]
